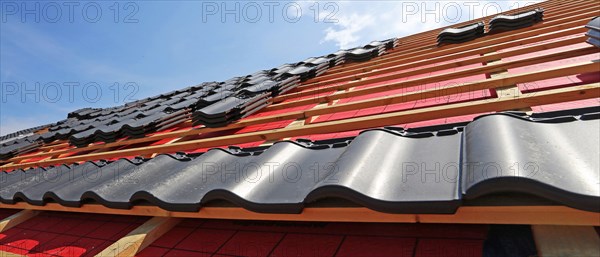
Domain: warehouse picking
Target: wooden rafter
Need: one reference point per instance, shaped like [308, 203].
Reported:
[140, 238]
[17, 219]
[9, 254]
[509, 91]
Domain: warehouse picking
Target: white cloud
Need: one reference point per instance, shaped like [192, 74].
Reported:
[349, 29]
[363, 21]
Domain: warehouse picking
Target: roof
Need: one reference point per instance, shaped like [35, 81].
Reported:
[524, 95]
[393, 89]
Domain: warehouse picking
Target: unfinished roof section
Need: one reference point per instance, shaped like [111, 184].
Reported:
[407, 82]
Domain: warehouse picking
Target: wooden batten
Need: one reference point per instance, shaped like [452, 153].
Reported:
[538, 215]
[509, 91]
[518, 78]
[399, 71]
[487, 105]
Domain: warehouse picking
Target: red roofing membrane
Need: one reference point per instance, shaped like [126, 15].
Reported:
[71, 234]
[252, 238]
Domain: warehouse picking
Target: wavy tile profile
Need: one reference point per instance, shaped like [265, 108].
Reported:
[558, 161]
[461, 34]
[502, 23]
[593, 33]
[388, 170]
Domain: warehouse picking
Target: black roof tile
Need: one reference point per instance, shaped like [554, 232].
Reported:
[497, 24]
[22, 133]
[461, 34]
[594, 24]
[229, 105]
[17, 147]
[557, 161]
[147, 115]
[463, 30]
[593, 41]
[532, 15]
[503, 23]
[593, 33]
[428, 170]
[229, 109]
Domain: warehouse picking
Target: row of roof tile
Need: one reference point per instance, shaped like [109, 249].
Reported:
[521, 20]
[211, 104]
[428, 170]
[18, 146]
[500, 23]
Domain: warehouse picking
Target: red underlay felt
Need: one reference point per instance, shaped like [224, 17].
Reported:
[67, 234]
[205, 240]
[567, 105]
[308, 245]
[478, 95]
[272, 238]
[250, 243]
[377, 246]
[448, 247]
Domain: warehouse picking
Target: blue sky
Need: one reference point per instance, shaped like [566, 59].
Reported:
[93, 56]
